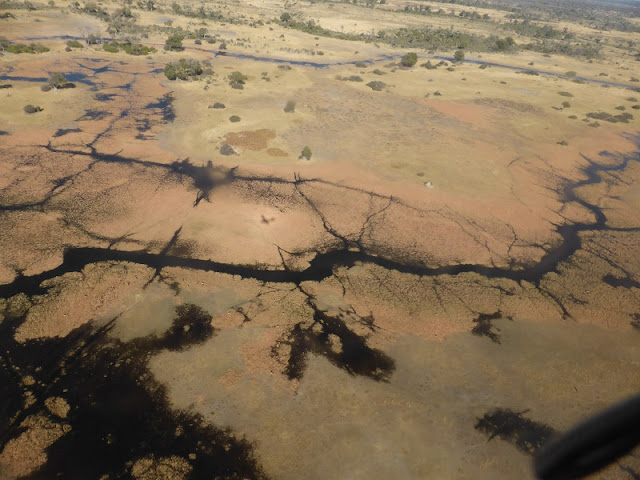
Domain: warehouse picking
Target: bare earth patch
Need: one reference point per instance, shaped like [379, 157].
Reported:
[253, 140]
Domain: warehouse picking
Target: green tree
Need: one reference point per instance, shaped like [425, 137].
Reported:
[409, 60]
[285, 17]
[458, 56]
[237, 80]
[306, 153]
[183, 69]
[56, 80]
[174, 42]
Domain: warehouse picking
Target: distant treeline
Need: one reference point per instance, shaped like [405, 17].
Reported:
[449, 39]
[598, 14]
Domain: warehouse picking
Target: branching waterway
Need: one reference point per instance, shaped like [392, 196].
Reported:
[119, 418]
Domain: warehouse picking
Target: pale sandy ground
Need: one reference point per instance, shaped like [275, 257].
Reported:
[489, 150]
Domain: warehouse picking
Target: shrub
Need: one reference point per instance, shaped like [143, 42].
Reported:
[376, 85]
[174, 43]
[632, 99]
[622, 108]
[74, 44]
[285, 17]
[107, 47]
[197, 41]
[56, 80]
[565, 94]
[409, 60]
[378, 72]
[306, 153]
[237, 77]
[22, 48]
[636, 107]
[123, 12]
[361, 65]
[622, 117]
[573, 117]
[458, 56]
[137, 49]
[32, 109]
[290, 106]
[237, 80]
[566, 104]
[234, 119]
[355, 78]
[217, 105]
[571, 73]
[183, 69]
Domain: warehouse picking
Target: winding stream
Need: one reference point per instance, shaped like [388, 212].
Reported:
[323, 264]
[312, 64]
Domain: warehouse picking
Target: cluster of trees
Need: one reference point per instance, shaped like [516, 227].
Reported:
[56, 80]
[25, 5]
[8, 46]
[310, 26]
[174, 42]
[446, 39]
[615, 23]
[595, 14]
[431, 39]
[549, 40]
[208, 13]
[426, 10]
[237, 80]
[469, 3]
[149, 5]
[366, 3]
[91, 8]
[528, 29]
[120, 22]
[183, 69]
[585, 50]
[129, 48]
